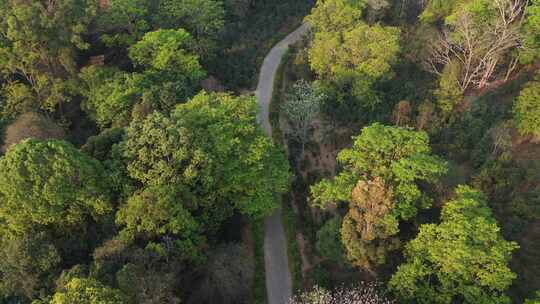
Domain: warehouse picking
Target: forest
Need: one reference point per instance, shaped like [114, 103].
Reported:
[403, 164]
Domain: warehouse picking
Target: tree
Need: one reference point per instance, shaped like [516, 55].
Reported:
[28, 264]
[449, 94]
[145, 275]
[124, 22]
[212, 148]
[166, 50]
[363, 293]
[227, 278]
[18, 98]
[302, 107]
[169, 74]
[530, 32]
[31, 125]
[88, 291]
[437, 10]
[168, 66]
[376, 9]
[350, 53]
[464, 257]
[159, 212]
[100, 146]
[380, 181]
[534, 300]
[50, 183]
[369, 228]
[40, 42]
[109, 95]
[204, 19]
[527, 110]
[328, 241]
[479, 36]
[336, 15]
[401, 116]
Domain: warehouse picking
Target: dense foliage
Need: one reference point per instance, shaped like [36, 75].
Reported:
[212, 149]
[527, 110]
[380, 183]
[348, 54]
[50, 183]
[465, 254]
[133, 168]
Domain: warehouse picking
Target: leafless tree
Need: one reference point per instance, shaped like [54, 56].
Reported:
[483, 48]
[31, 125]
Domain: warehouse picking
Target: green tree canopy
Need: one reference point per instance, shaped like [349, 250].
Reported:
[531, 32]
[379, 180]
[166, 50]
[160, 211]
[124, 22]
[50, 183]
[449, 94]
[437, 10]
[399, 156]
[464, 257]
[212, 147]
[348, 53]
[170, 74]
[109, 95]
[328, 241]
[527, 110]
[40, 40]
[336, 15]
[204, 19]
[88, 291]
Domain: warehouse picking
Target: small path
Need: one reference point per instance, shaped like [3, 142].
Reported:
[276, 261]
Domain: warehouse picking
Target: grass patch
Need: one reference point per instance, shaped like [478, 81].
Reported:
[259, 284]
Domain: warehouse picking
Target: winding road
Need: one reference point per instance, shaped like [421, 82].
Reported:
[276, 262]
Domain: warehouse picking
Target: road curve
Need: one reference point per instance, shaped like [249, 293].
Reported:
[276, 262]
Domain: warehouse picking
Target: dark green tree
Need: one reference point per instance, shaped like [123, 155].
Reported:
[203, 19]
[329, 244]
[124, 22]
[29, 263]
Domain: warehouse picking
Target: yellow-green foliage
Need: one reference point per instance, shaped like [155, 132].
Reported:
[50, 183]
[464, 257]
[527, 110]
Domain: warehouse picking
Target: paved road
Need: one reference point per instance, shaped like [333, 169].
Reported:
[278, 276]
